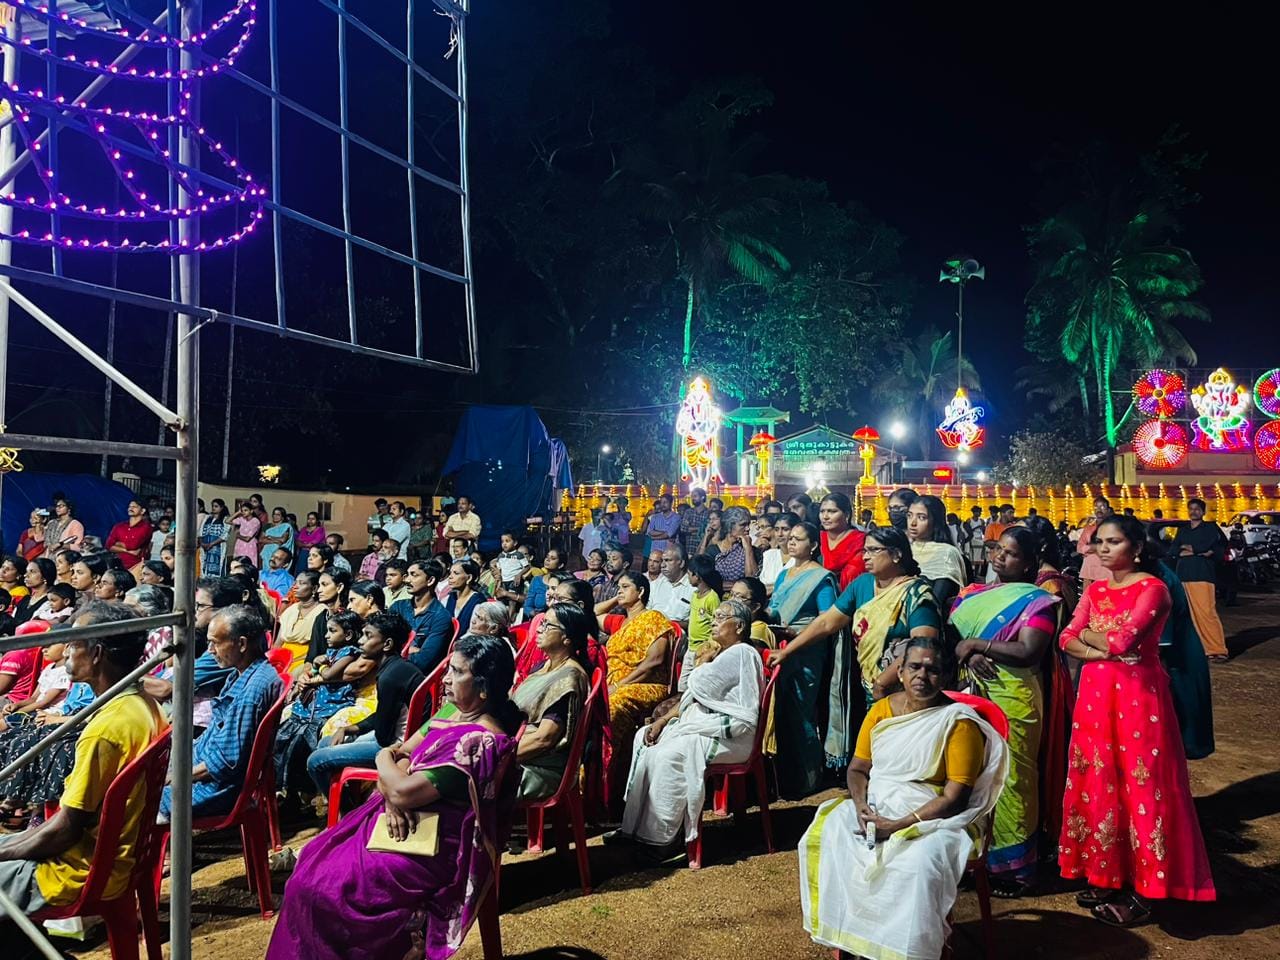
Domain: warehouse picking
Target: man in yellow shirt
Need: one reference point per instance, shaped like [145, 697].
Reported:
[465, 524]
[49, 865]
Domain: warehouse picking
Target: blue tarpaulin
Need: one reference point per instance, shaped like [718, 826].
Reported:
[504, 461]
[99, 504]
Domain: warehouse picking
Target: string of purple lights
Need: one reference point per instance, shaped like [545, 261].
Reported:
[120, 132]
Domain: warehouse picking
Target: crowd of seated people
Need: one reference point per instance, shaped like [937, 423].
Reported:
[868, 630]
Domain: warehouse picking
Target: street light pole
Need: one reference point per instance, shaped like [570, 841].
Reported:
[604, 448]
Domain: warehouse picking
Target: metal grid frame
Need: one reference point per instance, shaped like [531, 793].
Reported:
[183, 17]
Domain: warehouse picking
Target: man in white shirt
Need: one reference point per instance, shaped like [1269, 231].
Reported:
[976, 527]
[653, 566]
[775, 558]
[398, 529]
[465, 524]
[671, 593]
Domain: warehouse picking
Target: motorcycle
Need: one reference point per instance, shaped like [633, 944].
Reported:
[1257, 563]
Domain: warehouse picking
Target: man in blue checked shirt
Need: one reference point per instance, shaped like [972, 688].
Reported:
[221, 754]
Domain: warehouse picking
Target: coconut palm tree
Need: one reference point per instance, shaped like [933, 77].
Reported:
[1107, 292]
[928, 373]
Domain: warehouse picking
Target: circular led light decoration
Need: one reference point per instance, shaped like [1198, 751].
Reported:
[1160, 394]
[1266, 393]
[1161, 444]
[1266, 445]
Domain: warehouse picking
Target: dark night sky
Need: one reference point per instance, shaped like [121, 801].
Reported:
[936, 125]
[937, 122]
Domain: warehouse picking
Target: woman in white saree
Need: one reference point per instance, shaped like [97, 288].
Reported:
[925, 771]
[715, 723]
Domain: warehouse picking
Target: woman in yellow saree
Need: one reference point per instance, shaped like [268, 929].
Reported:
[639, 658]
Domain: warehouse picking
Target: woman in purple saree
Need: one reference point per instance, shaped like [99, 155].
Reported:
[346, 901]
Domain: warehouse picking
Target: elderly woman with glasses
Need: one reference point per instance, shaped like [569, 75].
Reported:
[715, 723]
[552, 698]
[884, 608]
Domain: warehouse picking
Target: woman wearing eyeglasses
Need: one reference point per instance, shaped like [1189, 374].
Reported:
[552, 698]
[885, 607]
[64, 531]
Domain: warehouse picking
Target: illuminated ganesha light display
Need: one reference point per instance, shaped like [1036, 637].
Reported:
[960, 428]
[1221, 405]
[697, 425]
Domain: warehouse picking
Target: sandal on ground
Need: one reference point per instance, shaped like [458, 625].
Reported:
[1007, 888]
[1092, 897]
[1126, 912]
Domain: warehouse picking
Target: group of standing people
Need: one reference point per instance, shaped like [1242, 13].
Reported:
[846, 603]
[1101, 702]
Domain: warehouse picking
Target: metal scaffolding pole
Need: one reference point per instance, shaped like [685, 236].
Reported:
[188, 390]
[7, 147]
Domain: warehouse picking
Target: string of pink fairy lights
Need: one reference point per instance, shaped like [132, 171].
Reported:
[136, 131]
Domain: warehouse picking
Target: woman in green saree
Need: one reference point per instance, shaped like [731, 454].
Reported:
[800, 594]
[552, 697]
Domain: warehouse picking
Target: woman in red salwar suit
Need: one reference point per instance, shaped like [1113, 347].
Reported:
[841, 543]
[1129, 826]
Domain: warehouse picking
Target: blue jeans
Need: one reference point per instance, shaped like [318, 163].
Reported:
[327, 762]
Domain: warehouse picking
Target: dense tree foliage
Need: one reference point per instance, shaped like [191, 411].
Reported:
[638, 227]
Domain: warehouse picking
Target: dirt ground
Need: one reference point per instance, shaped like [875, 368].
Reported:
[744, 904]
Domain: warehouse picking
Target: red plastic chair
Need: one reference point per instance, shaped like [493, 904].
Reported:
[596, 759]
[520, 635]
[255, 811]
[677, 662]
[415, 716]
[281, 659]
[978, 865]
[723, 774]
[139, 897]
[567, 800]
